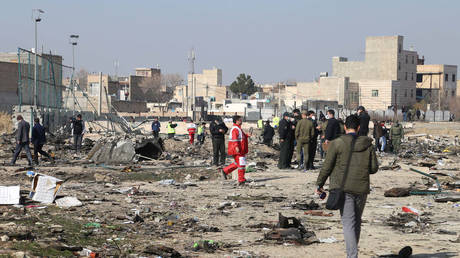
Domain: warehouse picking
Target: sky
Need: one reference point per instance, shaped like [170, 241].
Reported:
[270, 40]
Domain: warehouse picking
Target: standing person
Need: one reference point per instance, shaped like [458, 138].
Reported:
[296, 118]
[22, 140]
[38, 140]
[304, 133]
[260, 124]
[171, 129]
[276, 121]
[218, 130]
[201, 133]
[377, 134]
[364, 119]
[156, 127]
[268, 134]
[191, 128]
[383, 138]
[396, 135]
[78, 130]
[314, 141]
[286, 134]
[350, 160]
[238, 148]
[321, 116]
[322, 128]
[332, 128]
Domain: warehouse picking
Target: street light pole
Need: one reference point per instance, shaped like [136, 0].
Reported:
[37, 19]
[73, 42]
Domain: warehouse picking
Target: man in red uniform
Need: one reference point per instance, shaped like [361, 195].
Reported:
[191, 128]
[238, 148]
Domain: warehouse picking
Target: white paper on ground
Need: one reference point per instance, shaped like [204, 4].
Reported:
[9, 194]
[45, 188]
[68, 201]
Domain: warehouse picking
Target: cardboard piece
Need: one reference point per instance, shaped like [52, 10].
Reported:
[9, 194]
[45, 188]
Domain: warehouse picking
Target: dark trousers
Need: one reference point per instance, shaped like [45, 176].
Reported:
[311, 153]
[77, 139]
[18, 149]
[218, 148]
[38, 149]
[286, 152]
[156, 134]
[171, 135]
[268, 141]
[200, 138]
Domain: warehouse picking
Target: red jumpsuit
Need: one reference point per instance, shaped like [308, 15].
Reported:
[191, 132]
[237, 139]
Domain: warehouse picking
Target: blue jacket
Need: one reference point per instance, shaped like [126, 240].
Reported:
[156, 126]
[38, 134]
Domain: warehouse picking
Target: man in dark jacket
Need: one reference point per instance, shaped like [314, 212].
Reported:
[364, 119]
[22, 140]
[363, 162]
[268, 133]
[332, 128]
[286, 134]
[218, 130]
[38, 140]
[78, 130]
[156, 126]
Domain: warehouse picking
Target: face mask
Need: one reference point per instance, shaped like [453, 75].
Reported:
[327, 116]
[313, 117]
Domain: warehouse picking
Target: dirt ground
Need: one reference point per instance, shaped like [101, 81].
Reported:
[200, 206]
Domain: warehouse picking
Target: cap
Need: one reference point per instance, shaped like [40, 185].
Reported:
[361, 108]
[296, 110]
[286, 114]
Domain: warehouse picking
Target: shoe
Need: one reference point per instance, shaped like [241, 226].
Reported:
[301, 167]
[242, 183]
[224, 176]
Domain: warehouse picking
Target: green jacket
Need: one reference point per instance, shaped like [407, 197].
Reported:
[363, 162]
[304, 130]
[396, 131]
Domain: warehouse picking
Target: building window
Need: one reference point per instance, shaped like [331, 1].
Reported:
[453, 93]
[412, 76]
[419, 77]
[413, 59]
[453, 77]
[399, 48]
[407, 59]
[405, 93]
[399, 66]
[375, 93]
[412, 93]
[405, 77]
[446, 77]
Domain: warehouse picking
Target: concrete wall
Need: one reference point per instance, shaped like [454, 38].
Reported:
[8, 86]
[328, 89]
[385, 97]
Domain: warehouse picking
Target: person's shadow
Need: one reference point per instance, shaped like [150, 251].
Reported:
[436, 255]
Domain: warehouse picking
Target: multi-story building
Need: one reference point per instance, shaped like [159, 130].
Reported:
[437, 84]
[386, 77]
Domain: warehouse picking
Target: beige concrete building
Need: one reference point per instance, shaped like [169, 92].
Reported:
[458, 88]
[386, 65]
[437, 84]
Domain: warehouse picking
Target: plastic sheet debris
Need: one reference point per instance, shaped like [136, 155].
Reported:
[409, 209]
[68, 201]
[328, 240]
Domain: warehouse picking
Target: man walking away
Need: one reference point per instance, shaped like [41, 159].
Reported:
[304, 133]
[78, 130]
[313, 142]
[38, 140]
[268, 134]
[171, 129]
[218, 130]
[286, 134]
[396, 135]
[156, 127]
[364, 119]
[201, 132]
[332, 128]
[22, 140]
[191, 128]
[238, 148]
[356, 186]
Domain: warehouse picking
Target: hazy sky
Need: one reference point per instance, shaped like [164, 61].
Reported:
[270, 40]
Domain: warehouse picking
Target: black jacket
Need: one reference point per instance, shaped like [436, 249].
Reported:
[332, 129]
[285, 130]
[38, 134]
[364, 119]
[268, 133]
[214, 128]
[315, 124]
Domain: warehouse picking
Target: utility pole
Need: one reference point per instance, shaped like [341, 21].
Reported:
[279, 99]
[36, 16]
[191, 59]
[73, 41]
[99, 102]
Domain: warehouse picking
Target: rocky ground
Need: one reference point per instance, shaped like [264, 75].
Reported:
[138, 211]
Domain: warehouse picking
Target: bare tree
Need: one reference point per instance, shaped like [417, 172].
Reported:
[171, 81]
[153, 91]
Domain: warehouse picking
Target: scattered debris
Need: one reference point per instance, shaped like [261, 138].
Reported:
[289, 229]
[45, 188]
